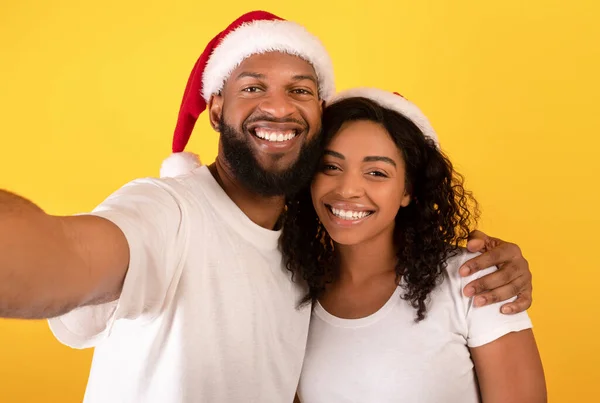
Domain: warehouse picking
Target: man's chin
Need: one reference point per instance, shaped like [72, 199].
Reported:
[267, 171]
[274, 154]
[275, 167]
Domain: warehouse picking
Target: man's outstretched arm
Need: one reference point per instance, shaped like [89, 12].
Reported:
[50, 265]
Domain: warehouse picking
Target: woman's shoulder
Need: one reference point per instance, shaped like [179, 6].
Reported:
[456, 259]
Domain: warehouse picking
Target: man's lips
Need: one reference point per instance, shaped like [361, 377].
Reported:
[275, 132]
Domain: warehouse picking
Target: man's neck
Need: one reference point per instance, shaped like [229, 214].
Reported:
[263, 211]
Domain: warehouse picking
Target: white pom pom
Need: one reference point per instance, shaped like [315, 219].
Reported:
[179, 164]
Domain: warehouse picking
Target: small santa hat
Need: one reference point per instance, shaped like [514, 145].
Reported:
[393, 101]
[252, 33]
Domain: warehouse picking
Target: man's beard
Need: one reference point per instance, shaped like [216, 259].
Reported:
[245, 167]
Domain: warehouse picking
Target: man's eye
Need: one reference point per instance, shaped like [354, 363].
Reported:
[251, 89]
[302, 91]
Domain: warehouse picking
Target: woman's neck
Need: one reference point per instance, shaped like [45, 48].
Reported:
[366, 278]
[372, 258]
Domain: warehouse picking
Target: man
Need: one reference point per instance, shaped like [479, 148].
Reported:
[178, 282]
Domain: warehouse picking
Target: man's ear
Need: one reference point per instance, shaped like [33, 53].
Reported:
[215, 109]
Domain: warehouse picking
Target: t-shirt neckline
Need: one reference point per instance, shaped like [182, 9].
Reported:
[360, 322]
[229, 212]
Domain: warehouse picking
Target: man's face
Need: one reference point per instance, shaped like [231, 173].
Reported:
[269, 117]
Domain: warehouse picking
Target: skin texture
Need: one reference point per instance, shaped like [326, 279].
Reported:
[512, 278]
[369, 180]
[259, 95]
[509, 369]
[50, 265]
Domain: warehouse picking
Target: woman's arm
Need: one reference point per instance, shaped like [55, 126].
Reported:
[509, 369]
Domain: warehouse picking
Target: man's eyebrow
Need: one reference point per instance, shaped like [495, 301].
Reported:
[250, 74]
[259, 76]
[310, 77]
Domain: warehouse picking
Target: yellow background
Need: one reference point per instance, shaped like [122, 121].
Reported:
[89, 93]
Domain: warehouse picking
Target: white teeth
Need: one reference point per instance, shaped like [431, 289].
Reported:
[349, 214]
[270, 135]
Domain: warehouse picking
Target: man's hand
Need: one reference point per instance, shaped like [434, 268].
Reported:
[512, 278]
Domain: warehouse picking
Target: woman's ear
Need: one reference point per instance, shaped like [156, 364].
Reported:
[405, 200]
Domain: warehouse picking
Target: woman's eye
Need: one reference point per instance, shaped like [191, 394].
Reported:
[378, 174]
[328, 167]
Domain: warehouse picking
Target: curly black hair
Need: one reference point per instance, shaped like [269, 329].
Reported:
[427, 232]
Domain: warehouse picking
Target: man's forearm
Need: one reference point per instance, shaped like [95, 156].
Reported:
[33, 257]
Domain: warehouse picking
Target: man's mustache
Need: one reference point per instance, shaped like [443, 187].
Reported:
[272, 119]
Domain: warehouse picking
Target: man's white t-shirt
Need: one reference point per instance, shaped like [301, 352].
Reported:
[208, 313]
[387, 357]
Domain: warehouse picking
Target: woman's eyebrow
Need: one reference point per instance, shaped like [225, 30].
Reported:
[335, 154]
[380, 158]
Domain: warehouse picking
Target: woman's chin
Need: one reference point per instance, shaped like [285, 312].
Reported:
[346, 238]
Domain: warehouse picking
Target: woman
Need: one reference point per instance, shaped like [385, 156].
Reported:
[387, 215]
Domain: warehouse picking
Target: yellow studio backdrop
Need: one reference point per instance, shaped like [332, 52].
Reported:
[89, 93]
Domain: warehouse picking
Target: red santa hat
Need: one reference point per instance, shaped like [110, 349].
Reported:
[253, 33]
[393, 101]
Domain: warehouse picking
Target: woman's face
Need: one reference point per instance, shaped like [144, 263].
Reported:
[361, 184]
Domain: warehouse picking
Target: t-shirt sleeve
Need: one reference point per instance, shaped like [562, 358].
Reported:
[486, 324]
[152, 219]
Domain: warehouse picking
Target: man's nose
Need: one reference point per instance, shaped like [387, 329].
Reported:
[277, 104]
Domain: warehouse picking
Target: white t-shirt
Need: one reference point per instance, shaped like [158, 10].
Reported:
[208, 313]
[387, 357]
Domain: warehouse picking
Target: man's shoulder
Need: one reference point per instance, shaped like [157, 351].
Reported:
[184, 188]
[175, 195]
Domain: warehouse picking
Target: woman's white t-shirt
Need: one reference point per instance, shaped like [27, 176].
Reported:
[387, 357]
